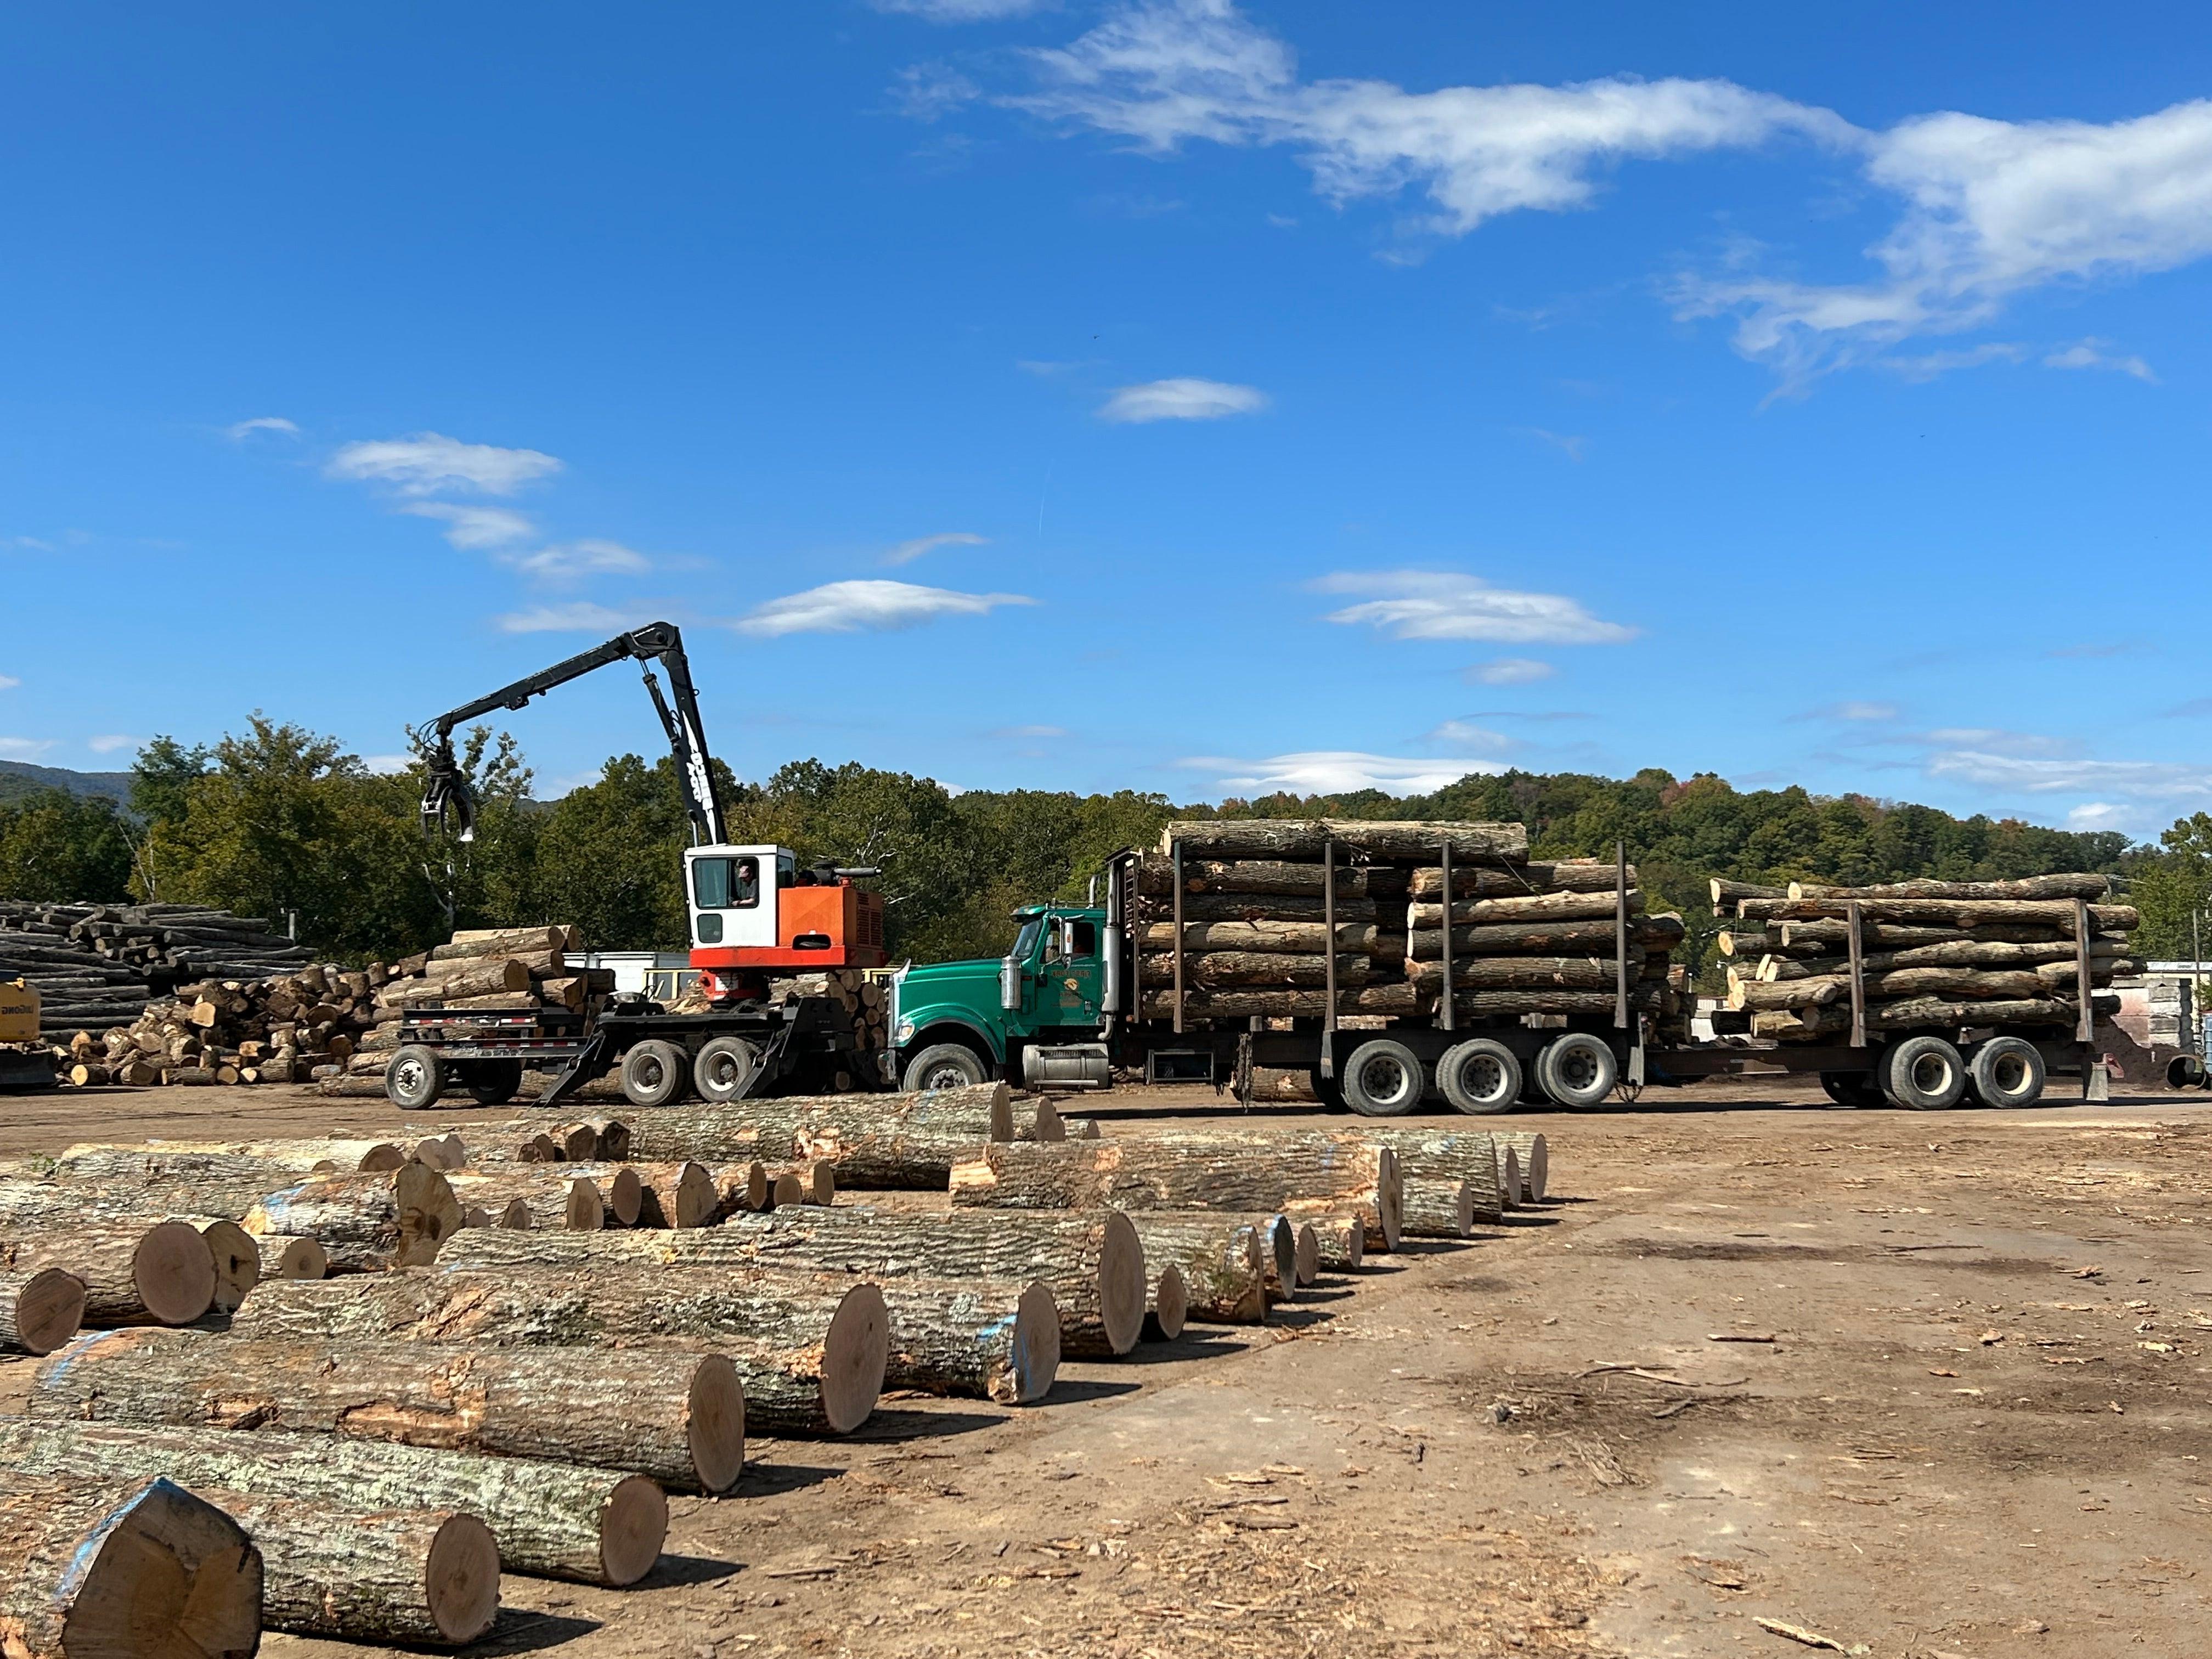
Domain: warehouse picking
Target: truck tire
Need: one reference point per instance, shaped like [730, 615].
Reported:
[1577, 1070]
[1383, 1079]
[1853, 1088]
[725, 1069]
[493, 1082]
[2006, 1071]
[414, 1078]
[1923, 1074]
[655, 1073]
[943, 1066]
[1480, 1076]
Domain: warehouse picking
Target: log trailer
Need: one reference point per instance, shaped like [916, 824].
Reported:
[754, 914]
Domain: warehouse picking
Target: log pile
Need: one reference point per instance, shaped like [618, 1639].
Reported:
[865, 996]
[1932, 954]
[228, 1031]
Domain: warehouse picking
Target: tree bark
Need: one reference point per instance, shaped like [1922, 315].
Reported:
[1535, 1159]
[500, 941]
[1224, 1259]
[1265, 876]
[1302, 839]
[367, 1223]
[556, 1198]
[1440, 1209]
[1519, 880]
[1505, 973]
[2033, 887]
[1342, 1242]
[294, 1258]
[810, 1352]
[1728, 893]
[1283, 937]
[1643, 997]
[1429, 914]
[894, 1141]
[1648, 933]
[1254, 969]
[40, 1309]
[112, 1569]
[678, 1419]
[1944, 913]
[1093, 1263]
[159, 1275]
[412, 1577]
[1467, 1156]
[1257, 908]
[1395, 998]
[588, 1525]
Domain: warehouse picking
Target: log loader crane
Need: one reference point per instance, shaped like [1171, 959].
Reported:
[754, 914]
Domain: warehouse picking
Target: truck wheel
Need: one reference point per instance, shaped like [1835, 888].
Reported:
[1382, 1079]
[415, 1078]
[1577, 1070]
[1853, 1088]
[1478, 1076]
[653, 1073]
[2007, 1071]
[493, 1082]
[1923, 1074]
[725, 1069]
[943, 1065]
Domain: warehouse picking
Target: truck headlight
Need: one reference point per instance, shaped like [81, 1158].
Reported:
[904, 1033]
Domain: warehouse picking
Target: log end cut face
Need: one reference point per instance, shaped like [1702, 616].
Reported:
[1536, 1169]
[237, 1255]
[1276, 1255]
[625, 1196]
[1512, 1180]
[172, 1271]
[715, 1423]
[632, 1527]
[1036, 1343]
[49, 1309]
[1170, 1303]
[856, 1351]
[170, 1576]
[461, 1579]
[1124, 1293]
[1307, 1256]
[294, 1258]
[1389, 1197]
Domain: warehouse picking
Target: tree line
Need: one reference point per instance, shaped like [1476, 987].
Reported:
[279, 821]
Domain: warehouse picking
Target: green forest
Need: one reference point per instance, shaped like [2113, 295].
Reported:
[277, 821]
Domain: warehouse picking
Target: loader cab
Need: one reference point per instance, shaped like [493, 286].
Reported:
[755, 911]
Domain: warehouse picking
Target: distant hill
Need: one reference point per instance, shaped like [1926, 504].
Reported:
[20, 778]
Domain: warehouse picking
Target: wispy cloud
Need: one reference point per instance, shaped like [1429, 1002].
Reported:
[261, 423]
[24, 748]
[1507, 671]
[9, 681]
[908, 552]
[2113, 648]
[958, 11]
[563, 562]
[1444, 605]
[1337, 771]
[1932, 365]
[28, 544]
[1464, 735]
[2170, 781]
[579, 617]
[2101, 815]
[2195, 709]
[387, 766]
[1182, 399]
[427, 462]
[1567, 443]
[1031, 732]
[1850, 711]
[850, 607]
[108, 743]
[2092, 354]
[474, 528]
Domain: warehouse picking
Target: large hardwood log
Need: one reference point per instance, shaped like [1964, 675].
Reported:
[272, 1163]
[1253, 969]
[1759, 994]
[1727, 894]
[31, 1206]
[1092, 1263]
[40, 1309]
[1224, 1259]
[1588, 973]
[1440, 1209]
[1257, 907]
[1645, 996]
[1649, 933]
[159, 1275]
[684, 1195]
[1283, 937]
[1185, 1170]
[552, 1195]
[1533, 906]
[2032, 887]
[811, 1354]
[1398, 997]
[483, 976]
[1303, 839]
[399, 1577]
[678, 1418]
[367, 1223]
[118, 1569]
[2105, 954]
[1535, 1158]
[1265, 876]
[1518, 880]
[981, 1338]
[537, 964]
[550, 1519]
[893, 1140]
[1924, 1013]
[1463, 1157]
[500, 942]
[1944, 913]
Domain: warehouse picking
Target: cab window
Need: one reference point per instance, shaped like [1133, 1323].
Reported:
[725, 883]
[1025, 941]
[1082, 938]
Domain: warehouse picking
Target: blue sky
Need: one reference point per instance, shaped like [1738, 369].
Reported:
[1187, 397]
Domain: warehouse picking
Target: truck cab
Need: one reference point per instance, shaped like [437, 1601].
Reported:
[1036, 1015]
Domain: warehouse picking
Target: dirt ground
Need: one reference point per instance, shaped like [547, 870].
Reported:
[1916, 1384]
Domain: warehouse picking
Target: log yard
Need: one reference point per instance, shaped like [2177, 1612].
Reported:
[980, 830]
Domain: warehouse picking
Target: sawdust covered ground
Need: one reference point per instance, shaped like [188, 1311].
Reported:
[1979, 1428]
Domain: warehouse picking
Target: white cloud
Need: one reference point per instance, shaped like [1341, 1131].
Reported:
[563, 562]
[262, 423]
[908, 552]
[851, 606]
[2099, 815]
[2091, 354]
[958, 11]
[565, 618]
[1850, 711]
[1182, 399]
[1337, 771]
[1466, 735]
[1507, 671]
[1996, 741]
[428, 461]
[475, 528]
[23, 749]
[1928, 365]
[108, 743]
[9, 681]
[31, 542]
[1444, 605]
[2139, 780]
[387, 765]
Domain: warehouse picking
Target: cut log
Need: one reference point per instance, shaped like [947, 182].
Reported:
[415, 1576]
[1945, 912]
[893, 1140]
[1225, 1260]
[265, 1162]
[1262, 876]
[1252, 968]
[1093, 1263]
[1465, 1156]
[1528, 907]
[1278, 938]
[118, 1569]
[159, 1275]
[40, 1309]
[811, 1352]
[1818, 991]
[1516, 880]
[976, 1339]
[294, 1258]
[1305, 839]
[537, 964]
[1396, 997]
[367, 1223]
[1536, 1156]
[500, 941]
[1170, 1309]
[1440, 1209]
[2105, 955]
[1043, 1123]
[683, 1194]
[622, 1192]
[237, 1255]
[557, 1198]
[1341, 1242]
[1213, 908]
[1643, 997]
[482, 976]
[1834, 936]
[1309, 1252]
[1513, 1191]
[1726, 894]
[1501, 973]
[2032, 887]
[1647, 932]
[679, 1418]
[1284, 1082]
[588, 1525]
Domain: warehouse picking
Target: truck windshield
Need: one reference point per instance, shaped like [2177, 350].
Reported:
[1025, 941]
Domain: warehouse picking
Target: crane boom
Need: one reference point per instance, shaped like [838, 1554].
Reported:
[445, 790]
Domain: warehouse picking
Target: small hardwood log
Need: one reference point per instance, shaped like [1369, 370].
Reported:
[1309, 1252]
[1341, 1242]
[294, 1258]
[622, 1192]
[1643, 997]
[1726, 894]
[892, 1140]
[2032, 887]
[500, 941]
[115, 1569]
[2105, 954]
[1255, 908]
[1170, 1309]
[1814, 993]
[1528, 907]
[40, 1309]
[1302, 839]
[1945, 912]
[1440, 1209]
[1646, 933]
[1462, 1157]
[588, 1525]
[557, 1197]
[1252, 968]
[1566, 876]
[1396, 997]
[1224, 1259]
[161, 1275]
[1263, 876]
[810, 1352]
[1535, 1158]
[679, 1418]
[1503, 973]
[367, 1223]
[682, 1194]
[1284, 1082]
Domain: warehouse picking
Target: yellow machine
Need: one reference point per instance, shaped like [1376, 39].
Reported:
[19, 1013]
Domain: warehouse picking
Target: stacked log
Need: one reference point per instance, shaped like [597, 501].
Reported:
[1226, 1261]
[164, 1274]
[863, 994]
[233, 1030]
[40, 1309]
[552, 1520]
[868, 1141]
[1933, 955]
[679, 1418]
[366, 1223]
[1468, 1157]
[123, 1566]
